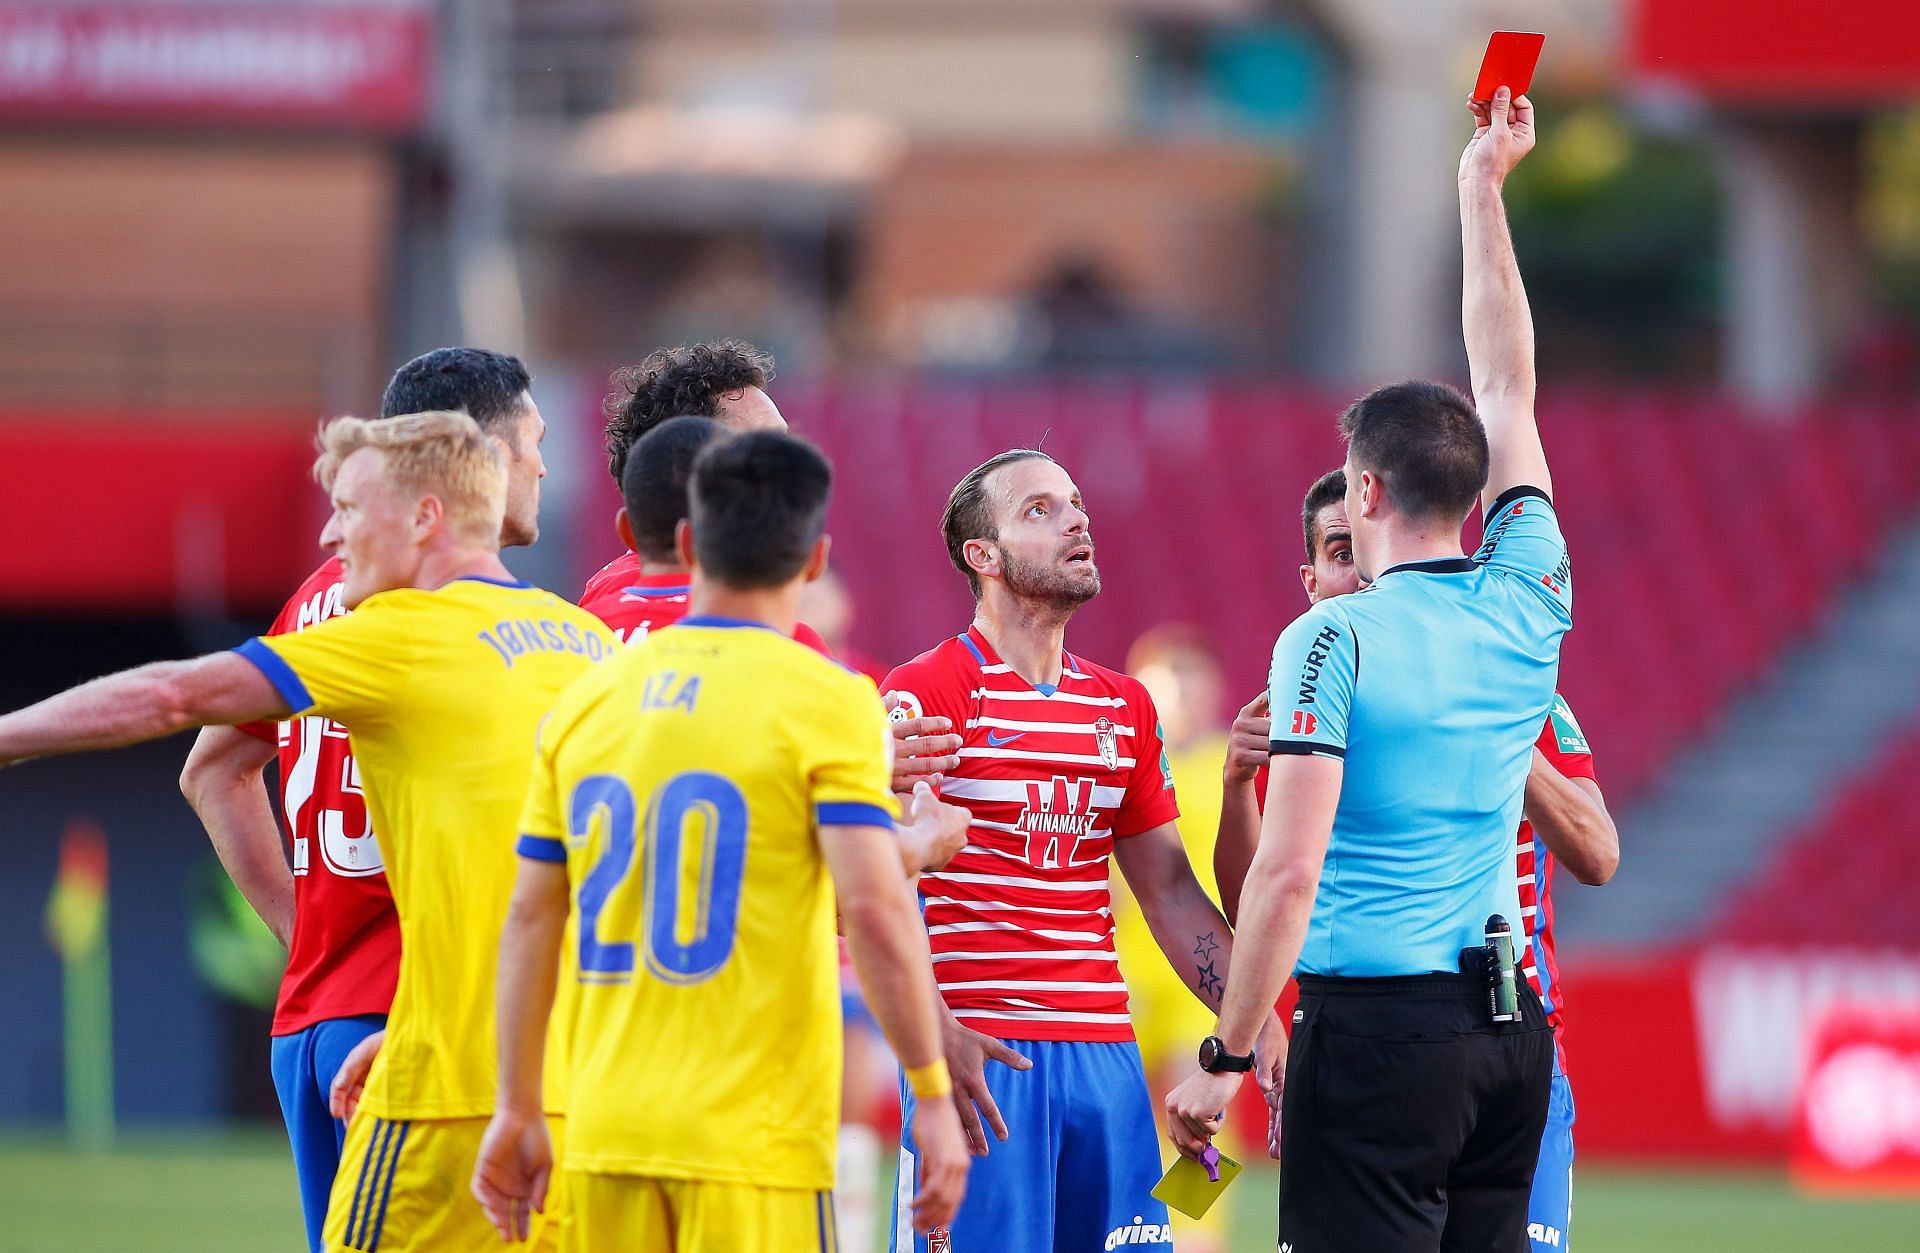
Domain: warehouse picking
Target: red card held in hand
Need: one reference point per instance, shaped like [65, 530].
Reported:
[1511, 56]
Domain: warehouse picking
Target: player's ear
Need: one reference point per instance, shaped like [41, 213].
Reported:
[623, 527]
[683, 542]
[1371, 493]
[983, 556]
[428, 516]
[1309, 581]
[817, 563]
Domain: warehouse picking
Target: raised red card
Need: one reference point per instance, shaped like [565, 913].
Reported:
[1511, 56]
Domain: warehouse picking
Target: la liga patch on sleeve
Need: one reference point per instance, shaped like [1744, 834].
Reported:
[1566, 731]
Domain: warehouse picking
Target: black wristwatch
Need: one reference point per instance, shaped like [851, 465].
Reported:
[1214, 1057]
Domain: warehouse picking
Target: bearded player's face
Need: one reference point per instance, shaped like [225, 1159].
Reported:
[525, 468]
[372, 530]
[1045, 548]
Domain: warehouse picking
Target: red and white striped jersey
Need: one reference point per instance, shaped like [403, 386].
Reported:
[345, 956]
[1565, 747]
[633, 604]
[1021, 921]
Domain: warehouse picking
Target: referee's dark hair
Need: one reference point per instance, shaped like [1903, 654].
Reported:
[758, 505]
[969, 513]
[1424, 442]
[689, 379]
[1329, 489]
[654, 482]
[489, 387]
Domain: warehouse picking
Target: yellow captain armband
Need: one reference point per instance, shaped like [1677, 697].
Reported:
[930, 1082]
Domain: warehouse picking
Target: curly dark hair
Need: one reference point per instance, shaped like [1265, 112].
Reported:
[672, 382]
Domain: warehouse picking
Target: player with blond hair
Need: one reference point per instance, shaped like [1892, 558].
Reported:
[322, 887]
[441, 675]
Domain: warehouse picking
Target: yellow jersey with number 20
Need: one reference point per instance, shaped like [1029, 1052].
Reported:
[683, 784]
[441, 693]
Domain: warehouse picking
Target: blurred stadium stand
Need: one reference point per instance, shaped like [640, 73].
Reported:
[1852, 875]
[1776, 770]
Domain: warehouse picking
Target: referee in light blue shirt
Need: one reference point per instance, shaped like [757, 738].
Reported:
[1404, 718]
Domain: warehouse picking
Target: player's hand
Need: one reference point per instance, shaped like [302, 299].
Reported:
[1248, 743]
[943, 1164]
[1197, 1108]
[343, 1094]
[933, 831]
[513, 1170]
[1502, 135]
[1270, 1072]
[923, 748]
[968, 1052]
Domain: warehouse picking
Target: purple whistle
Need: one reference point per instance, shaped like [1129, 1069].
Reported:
[1210, 1158]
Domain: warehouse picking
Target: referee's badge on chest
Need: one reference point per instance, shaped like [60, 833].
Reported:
[1109, 741]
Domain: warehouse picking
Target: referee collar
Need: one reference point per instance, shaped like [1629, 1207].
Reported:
[1440, 565]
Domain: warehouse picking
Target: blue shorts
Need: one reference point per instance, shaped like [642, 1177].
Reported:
[1078, 1166]
[304, 1064]
[1550, 1209]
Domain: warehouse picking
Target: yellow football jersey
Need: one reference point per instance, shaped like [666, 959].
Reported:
[682, 784]
[441, 693]
[1168, 1019]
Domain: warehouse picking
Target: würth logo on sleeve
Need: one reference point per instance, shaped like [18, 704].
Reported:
[1304, 723]
[1109, 741]
[1316, 658]
[1064, 807]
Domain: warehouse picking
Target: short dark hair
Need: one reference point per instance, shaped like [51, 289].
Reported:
[969, 514]
[758, 503]
[654, 481]
[1329, 489]
[484, 385]
[1424, 442]
[689, 379]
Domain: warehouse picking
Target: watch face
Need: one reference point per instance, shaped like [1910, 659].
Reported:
[1209, 1052]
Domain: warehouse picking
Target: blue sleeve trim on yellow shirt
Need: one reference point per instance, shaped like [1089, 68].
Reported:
[852, 814]
[278, 673]
[542, 848]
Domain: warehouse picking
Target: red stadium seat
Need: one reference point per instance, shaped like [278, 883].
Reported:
[1704, 539]
[1852, 876]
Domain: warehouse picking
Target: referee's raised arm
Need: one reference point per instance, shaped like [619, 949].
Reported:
[1493, 305]
[1417, 1077]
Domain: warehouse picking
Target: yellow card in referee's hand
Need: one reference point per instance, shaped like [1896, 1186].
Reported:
[1186, 1187]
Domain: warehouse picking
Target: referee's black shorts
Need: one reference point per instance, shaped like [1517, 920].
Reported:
[1409, 1120]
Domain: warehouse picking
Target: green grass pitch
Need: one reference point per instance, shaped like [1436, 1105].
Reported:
[233, 1191]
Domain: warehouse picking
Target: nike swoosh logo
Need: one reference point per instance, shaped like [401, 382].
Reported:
[997, 741]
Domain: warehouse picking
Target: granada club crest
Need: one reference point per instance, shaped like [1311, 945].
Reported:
[1109, 741]
[939, 1240]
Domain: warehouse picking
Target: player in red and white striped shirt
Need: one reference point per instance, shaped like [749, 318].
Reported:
[1062, 768]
